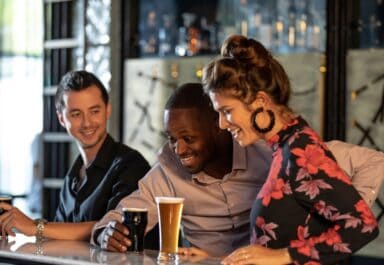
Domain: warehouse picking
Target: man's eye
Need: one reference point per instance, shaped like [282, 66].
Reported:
[95, 111]
[75, 114]
[171, 140]
[188, 140]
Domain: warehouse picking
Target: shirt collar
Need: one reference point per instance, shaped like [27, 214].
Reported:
[106, 154]
[102, 160]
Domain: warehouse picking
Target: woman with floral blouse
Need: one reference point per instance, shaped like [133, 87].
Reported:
[307, 212]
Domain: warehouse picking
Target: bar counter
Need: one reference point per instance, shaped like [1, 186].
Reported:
[24, 250]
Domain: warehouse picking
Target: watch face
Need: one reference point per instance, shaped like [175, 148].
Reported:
[40, 225]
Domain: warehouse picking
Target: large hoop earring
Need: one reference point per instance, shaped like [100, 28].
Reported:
[271, 120]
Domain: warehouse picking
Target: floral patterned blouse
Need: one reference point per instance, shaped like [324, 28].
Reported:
[308, 204]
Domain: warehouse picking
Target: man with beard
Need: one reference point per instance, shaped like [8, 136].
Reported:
[218, 179]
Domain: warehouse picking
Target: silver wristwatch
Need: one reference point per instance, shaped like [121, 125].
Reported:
[40, 225]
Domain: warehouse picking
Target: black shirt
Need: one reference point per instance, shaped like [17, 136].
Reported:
[112, 175]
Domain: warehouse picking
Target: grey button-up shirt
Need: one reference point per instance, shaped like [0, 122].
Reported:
[216, 211]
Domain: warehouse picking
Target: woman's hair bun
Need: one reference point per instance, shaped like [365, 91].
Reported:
[246, 50]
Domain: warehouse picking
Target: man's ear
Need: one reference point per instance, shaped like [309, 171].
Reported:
[109, 110]
[60, 117]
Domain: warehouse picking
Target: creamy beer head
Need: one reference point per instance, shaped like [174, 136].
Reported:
[169, 211]
[125, 209]
[169, 200]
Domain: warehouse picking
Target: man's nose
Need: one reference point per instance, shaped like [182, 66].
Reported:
[86, 120]
[180, 147]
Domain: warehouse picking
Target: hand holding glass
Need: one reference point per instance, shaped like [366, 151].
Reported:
[135, 219]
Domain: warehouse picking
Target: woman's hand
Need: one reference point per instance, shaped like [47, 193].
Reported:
[14, 218]
[255, 254]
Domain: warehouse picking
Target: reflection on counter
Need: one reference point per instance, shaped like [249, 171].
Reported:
[22, 250]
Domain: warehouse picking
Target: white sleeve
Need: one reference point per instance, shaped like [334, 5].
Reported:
[365, 166]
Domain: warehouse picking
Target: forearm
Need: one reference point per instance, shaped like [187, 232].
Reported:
[68, 231]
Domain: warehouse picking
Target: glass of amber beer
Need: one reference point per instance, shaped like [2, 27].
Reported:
[169, 210]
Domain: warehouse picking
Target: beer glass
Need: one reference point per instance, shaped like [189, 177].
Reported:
[135, 219]
[169, 211]
[6, 199]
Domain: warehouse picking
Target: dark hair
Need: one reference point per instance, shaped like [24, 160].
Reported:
[191, 95]
[77, 81]
[244, 68]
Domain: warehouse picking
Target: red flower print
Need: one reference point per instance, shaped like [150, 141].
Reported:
[312, 187]
[276, 164]
[331, 236]
[266, 227]
[352, 222]
[332, 169]
[312, 134]
[273, 139]
[303, 173]
[272, 189]
[263, 240]
[287, 188]
[369, 220]
[304, 246]
[342, 247]
[311, 158]
[260, 222]
[324, 210]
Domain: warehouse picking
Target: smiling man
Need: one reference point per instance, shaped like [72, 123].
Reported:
[218, 179]
[103, 173]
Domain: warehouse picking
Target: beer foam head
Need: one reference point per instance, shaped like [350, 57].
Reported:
[169, 200]
[127, 209]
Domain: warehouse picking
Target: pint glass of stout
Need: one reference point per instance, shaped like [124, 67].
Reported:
[135, 219]
[169, 211]
[6, 199]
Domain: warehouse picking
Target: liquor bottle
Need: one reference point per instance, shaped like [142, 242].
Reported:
[167, 36]
[292, 26]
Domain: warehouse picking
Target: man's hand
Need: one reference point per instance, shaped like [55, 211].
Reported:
[192, 254]
[14, 218]
[114, 237]
[192, 251]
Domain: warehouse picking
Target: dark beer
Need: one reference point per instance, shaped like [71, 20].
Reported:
[5, 199]
[135, 219]
[169, 212]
